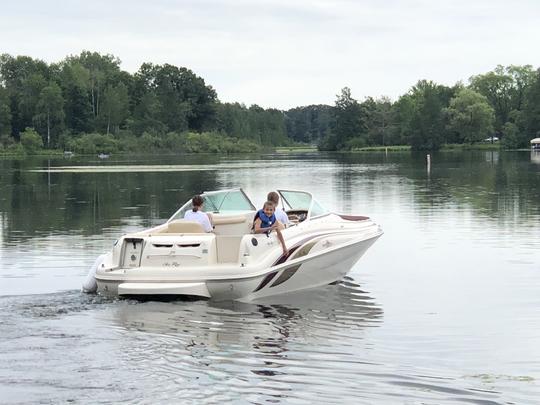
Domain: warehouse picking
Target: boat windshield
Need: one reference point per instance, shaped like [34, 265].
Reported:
[220, 202]
[302, 201]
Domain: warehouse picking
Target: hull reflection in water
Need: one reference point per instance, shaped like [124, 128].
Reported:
[295, 337]
[344, 304]
[184, 351]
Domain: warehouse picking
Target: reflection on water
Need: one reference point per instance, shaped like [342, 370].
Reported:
[58, 199]
[299, 348]
[535, 156]
[443, 309]
[314, 347]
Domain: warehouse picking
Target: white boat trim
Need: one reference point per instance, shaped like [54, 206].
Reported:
[163, 288]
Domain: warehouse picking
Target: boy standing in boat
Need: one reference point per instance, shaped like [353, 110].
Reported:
[281, 216]
[265, 221]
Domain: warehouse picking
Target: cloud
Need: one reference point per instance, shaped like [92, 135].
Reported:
[281, 53]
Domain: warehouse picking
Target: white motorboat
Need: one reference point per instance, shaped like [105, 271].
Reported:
[232, 263]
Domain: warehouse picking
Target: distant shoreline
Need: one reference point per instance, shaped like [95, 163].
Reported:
[281, 149]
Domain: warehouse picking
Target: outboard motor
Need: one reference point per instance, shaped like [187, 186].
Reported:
[90, 284]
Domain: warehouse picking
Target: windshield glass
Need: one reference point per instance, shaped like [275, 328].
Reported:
[317, 209]
[300, 200]
[220, 202]
[234, 200]
[297, 200]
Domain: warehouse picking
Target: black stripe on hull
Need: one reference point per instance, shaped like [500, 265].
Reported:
[269, 277]
[285, 275]
[283, 258]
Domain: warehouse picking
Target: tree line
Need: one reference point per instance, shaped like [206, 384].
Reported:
[502, 104]
[87, 103]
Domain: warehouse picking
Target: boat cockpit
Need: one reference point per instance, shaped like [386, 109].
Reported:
[233, 212]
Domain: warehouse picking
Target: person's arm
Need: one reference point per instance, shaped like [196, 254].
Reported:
[211, 219]
[284, 218]
[257, 227]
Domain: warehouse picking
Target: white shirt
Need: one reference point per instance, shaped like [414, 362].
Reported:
[200, 217]
[281, 216]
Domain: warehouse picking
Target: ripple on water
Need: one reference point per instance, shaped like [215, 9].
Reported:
[311, 347]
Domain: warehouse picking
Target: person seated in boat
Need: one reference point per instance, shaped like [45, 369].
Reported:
[196, 214]
[281, 215]
[266, 222]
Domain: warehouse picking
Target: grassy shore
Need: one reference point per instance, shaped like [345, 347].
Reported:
[21, 154]
[292, 149]
[474, 146]
[444, 148]
[391, 148]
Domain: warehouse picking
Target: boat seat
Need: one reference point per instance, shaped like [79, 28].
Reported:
[239, 224]
[183, 226]
[226, 220]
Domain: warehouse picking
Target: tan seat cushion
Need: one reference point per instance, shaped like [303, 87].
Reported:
[227, 219]
[182, 226]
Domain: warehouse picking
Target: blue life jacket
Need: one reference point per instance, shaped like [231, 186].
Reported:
[266, 221]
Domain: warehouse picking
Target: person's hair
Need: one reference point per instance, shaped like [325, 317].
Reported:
[270, 203]
[274, 197]
[197, 201]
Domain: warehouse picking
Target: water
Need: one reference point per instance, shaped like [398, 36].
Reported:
[443, 309]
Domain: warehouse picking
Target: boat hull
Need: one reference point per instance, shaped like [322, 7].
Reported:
[313, 270]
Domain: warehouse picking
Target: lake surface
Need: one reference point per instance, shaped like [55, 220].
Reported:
[443, 309]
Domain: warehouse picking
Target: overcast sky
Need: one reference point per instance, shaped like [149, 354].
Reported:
[286, 53]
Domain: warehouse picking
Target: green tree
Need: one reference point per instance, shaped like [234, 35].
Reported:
[146, 115]
[231, 119]
[28, 97]
[421, 114]
[74, 79]
[115, 106]
[511, 136]
[496, 87]
[102, 71]
[23, 79]
[531, 109]
[185, 100]
[31, 141]
[380, 121]
[505, 89]
[92, 143]
[309, 124]
[264, 126]
[5, 113]
[50, 110]
[349, 123]
[470, 116]
[522, 78]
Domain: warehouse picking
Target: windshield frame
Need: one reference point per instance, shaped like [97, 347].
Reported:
[312, 203]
